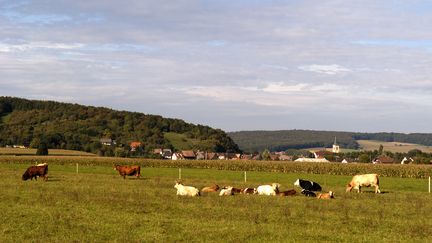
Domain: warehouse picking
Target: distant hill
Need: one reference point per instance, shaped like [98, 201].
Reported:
[78, 127]
[251, 141]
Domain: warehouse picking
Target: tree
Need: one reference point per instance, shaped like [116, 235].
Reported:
[380, 150]
[364, 158]
[42, 148]
[265, 155]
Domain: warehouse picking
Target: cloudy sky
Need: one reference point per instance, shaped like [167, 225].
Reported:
[232, 64]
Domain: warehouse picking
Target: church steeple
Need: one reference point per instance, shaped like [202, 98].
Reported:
[335, 148]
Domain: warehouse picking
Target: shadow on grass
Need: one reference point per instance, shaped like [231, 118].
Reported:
[382, 192]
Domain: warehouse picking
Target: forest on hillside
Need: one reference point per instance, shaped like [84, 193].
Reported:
[78, 127]
[283, 140]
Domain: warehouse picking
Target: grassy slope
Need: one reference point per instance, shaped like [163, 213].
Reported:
[182, 142]
[97, 205]
[29, 151]
[392, 146]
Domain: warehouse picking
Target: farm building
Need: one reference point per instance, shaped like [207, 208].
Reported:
[311, 160]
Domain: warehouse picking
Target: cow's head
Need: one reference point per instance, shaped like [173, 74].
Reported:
[349, 187]
[26, 176]
[297, 182]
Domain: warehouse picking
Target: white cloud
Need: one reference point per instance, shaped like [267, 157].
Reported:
[325, 69]
[5, 47]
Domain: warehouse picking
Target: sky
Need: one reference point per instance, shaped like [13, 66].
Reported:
[335, 65]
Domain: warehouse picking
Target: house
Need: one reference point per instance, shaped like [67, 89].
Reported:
[285, 157]
[177, 156]
[107, 141]
[135, 145]
[246, 156]
[188, 154]
[166, 153]
[274, 156]
[157, 151]
[201, 155]
[311, 160]
[383, 159]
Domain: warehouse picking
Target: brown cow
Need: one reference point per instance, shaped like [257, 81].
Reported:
[125, 170]
[236, 190]
[213, 188]
[328, 195]
[249, 190]
[287, 193]
[35, 171]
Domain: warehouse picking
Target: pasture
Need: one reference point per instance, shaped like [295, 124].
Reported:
[394, 147]
[98, 205]
[31, 151]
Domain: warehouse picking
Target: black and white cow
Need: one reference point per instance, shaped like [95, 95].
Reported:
[308, 193]
[307, 185]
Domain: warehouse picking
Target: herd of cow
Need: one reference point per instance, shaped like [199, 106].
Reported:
[308, 188]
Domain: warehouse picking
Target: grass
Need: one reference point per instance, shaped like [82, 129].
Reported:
[394, 147]
[97, 205]
[182, 142]
[30, 151]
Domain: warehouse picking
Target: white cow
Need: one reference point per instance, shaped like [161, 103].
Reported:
[186, 190]
[364, 180]
[226, 191]
[269, 190]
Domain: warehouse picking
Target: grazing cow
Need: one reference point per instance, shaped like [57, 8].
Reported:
[213, 188]
[269, 190]
[248, 190]
[307, 185]
[226, 191]
[35, 171]
[125, 170]
[364, 180]
[308, 193]
[291, 192]
[186, 190]
[328, 195]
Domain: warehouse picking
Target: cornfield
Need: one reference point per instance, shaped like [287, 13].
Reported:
[396, 170]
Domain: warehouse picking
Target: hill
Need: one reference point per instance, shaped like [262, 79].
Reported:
[394, 147]
[301, 139]
[78, 127]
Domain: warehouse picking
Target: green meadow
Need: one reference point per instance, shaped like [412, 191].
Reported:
[97, 205]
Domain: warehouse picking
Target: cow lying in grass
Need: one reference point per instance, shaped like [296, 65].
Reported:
[212, 188]
[269, 190]
[125, 170]
[291, 192]
[226, 191]
[308, 193]
[248, 190]
[307, 185]
[364, 180]
[186, 190]
[35, 171]
[329, 195]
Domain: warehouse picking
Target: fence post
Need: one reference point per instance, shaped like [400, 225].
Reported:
[179, 173]
[77, 168]
[245, 177]
[429, 184]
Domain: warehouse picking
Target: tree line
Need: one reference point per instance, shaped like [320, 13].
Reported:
[257, 141]
[77, 127]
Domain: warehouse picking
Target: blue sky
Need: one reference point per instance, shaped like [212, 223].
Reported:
[236, 65]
